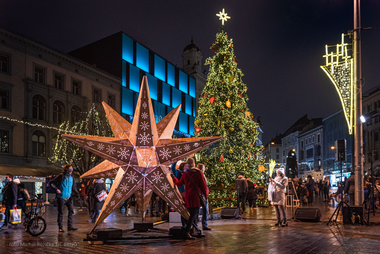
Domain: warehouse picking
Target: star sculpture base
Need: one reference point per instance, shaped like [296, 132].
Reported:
[139, 155]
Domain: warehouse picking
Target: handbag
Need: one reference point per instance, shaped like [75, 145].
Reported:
[102, 195]
[15, 216]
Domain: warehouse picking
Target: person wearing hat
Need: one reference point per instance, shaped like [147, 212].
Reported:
[241, 187]
[280, 183]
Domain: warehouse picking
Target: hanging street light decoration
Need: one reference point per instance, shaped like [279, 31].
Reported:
[139, 155]
[339, 68]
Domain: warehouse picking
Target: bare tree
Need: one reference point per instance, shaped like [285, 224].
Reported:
[94, 123]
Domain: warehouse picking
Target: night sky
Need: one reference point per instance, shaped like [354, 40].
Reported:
[279, 44]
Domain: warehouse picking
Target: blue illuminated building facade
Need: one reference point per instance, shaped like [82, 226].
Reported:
[130, 60]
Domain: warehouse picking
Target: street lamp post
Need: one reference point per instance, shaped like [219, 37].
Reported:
[358, 134]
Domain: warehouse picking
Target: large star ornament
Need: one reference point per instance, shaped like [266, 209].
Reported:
[139, 155]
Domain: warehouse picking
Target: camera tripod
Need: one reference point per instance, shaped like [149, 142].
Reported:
[370, 200]
[336, 212]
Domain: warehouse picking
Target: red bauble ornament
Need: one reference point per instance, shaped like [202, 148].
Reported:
[240, 95]
[212, 99]
[214, 48]
[221, 158]
[198, 129]
[205, 95]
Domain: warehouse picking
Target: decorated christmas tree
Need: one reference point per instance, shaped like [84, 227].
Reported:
[223, 111]
[94, 123]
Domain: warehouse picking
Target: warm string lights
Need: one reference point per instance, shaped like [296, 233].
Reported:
[223, 111]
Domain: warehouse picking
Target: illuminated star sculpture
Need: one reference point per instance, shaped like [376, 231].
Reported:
[223, 16]
[139, 155]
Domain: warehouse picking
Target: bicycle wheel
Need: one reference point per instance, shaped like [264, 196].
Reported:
[36, 226]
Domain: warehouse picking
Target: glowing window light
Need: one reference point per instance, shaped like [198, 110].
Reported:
[176, 98]
[339, 68]
[183, 86]
[165, 94]
[192, 87]
[127, 49]
[134, 78]
[159, 67]
[142, 57]
[127, 101]
[223, 16]
[171, 74]
[183, 123]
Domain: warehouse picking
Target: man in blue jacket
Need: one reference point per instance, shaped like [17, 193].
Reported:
[64, 185]
[9, 198]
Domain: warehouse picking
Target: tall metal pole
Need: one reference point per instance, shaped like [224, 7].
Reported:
[358, 135]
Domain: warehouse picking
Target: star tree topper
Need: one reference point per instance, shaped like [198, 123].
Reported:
[139, 155]
[223, 16]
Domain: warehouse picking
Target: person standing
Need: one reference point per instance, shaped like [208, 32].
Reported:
[320, 187]
[350, 188]
[279, 183]
[252, 194]
[82, 195]
[22, 195]
[90, 199]
[310, 187]
[64, 185]
[241, 187]
[9, 198]
[194, 185]
[99, 189]
[202, 168]
[326, 189]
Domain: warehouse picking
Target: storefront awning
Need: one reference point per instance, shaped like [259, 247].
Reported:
[26, 171]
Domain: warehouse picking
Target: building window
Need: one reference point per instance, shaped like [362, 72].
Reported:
[59, 81]
[313, 139]
[4, 63]
[309, 140]
[38, 143]
[4, 99]
[39, 74]
[39, 107]
[302, 144]
[283, 153]
[4, 141]
[309, 153]
[111, 100]
[75, 114]
[76, 87]
[97, 95]
[277, 157]
[277, 150]
[369, 108]
[58, 112]
[319, 138]
[301, 155]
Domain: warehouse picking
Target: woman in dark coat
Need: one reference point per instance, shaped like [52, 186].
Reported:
[252, 194]
[194, 184]
[99, 186]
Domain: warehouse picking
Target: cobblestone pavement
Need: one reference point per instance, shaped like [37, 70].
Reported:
[255, 233]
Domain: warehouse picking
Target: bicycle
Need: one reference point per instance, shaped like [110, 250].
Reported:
[34, 222]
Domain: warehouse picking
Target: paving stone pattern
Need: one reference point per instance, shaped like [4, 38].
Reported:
[255, 233]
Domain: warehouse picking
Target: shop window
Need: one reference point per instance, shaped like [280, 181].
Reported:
[38, 144]
[39, 107]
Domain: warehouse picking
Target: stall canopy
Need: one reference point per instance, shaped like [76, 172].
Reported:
[25, 171]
